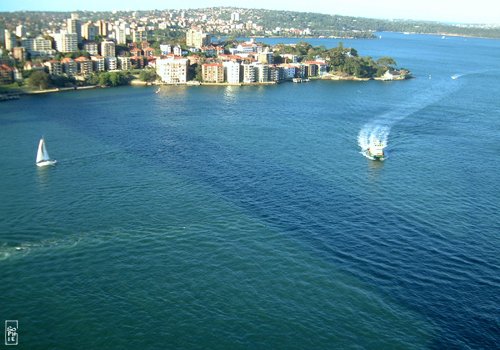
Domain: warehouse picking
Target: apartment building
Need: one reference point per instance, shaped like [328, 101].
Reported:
[172, 70]
[212, 72]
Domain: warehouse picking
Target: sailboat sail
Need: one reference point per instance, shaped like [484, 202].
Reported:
[42, 156]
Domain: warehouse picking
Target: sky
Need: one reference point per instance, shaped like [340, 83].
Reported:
[454, 11]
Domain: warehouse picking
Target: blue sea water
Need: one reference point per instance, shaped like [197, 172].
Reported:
[246, 217]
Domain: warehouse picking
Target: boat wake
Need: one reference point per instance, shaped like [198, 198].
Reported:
[379, 129]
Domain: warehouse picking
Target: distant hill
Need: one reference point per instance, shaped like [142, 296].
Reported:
[252, 22]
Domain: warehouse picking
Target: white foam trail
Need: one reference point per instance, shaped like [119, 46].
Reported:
[378, 129]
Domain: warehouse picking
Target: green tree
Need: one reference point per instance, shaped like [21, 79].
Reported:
[148, 75]
[39, 79]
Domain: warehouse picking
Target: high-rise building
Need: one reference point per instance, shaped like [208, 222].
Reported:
[66, 42]
[120, 35]
[10, 40]
[235, 17]
[197, 39]
[20, 31]
[139, 36]
[172, 70]
[74, 26]
[102, 27]
[108, 48]
[89, 31]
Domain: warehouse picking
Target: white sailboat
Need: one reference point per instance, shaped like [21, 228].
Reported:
[42, 156]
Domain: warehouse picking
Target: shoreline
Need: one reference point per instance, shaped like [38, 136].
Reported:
[328, 77]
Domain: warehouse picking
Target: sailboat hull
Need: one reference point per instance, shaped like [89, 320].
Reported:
[46, 163]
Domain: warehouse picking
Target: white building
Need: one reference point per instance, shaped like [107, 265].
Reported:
[248, 73]
[10, 40]
[262, 73]
[74, 26]
[91, 47]
[232, 72]
[165, 49]
[38, 46]
[66, 42]
[108, 48]
[98, 63]
[120, 35]
[124, 63]
[21, 31]
[111, 63]
[172, 70]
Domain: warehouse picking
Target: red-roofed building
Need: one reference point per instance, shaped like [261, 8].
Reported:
[85, 66]
[149, 52]
[6, 74]
[136, 52]
[69, 66]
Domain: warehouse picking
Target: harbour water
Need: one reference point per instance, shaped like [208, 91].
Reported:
[247, 218]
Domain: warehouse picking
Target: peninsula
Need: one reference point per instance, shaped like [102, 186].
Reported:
[97, 49]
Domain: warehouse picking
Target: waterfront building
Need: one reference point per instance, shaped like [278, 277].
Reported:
[172, 70]
[275, 73]
[69, 66]
[289, 71]
[91, 47]
[6, 74]
[85, 65]
[262, 73]
[108, 48]
[232, 72]
[74, 26]
[197, 39]
[54, 66]
[212, 72]
[124, 63]
[248, 72]
[111, 63]
[98, 63]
